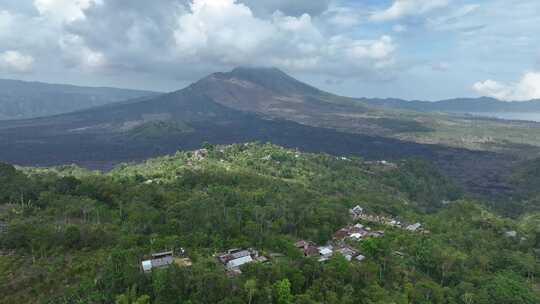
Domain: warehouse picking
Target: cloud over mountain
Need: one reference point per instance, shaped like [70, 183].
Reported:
[527, 88]
[222, 33]
[369, 48]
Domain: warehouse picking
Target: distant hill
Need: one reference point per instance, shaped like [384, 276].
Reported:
[244, 105]
[458, 105]
[21, 99]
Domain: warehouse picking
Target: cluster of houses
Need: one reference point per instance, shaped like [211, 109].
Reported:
[381, 164]
[358, 213]
[234, 258]
[324, 253]
[163, 260]
[356, 233]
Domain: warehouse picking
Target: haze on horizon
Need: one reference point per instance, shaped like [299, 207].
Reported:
[411, 49]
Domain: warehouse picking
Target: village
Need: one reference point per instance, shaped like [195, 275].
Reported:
[354, 233]
[233, 259]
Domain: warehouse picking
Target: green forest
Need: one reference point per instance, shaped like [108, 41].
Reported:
[69, 235]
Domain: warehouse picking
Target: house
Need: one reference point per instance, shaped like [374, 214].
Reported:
[358, 229]
[325, 253]
[262, 259]
[237, 262]
[301, 244]
[378, 233]
[234, 258]
[307, 248]
[414, 227]
[200, 154]
[341, 234]
[360, 258]
[356, 211]
[395, 223]
[356, 236]
[325, 250]
[348, 252]
[158, 260]
[358, 226]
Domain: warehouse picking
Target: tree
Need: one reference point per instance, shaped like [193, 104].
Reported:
[72, 237]
[250, 287]
[130, 297]
[282, 291]
[509, 288]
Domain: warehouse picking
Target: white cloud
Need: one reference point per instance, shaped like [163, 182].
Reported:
[288, 7]
[399, 28]
[220, 26]
[403, 8]
[77, 53]
[527, 88]
[15, 62]
[343, 17]
[226, 32]
[64, 10]
[455, 19]
[181, 40]
[6, 19]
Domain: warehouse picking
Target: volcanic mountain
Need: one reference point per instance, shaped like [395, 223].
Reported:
[246, 104]
[243, 105]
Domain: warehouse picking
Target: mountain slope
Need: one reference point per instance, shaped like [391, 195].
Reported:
[458, 105]
[20, 99]
[274, 94]
[104, 136]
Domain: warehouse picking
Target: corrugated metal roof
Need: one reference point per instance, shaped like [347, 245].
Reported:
[360, 258]
[239, 262]
[167, 260]
[147, 265]
[161, 254]
[325, 251]
[240, 254]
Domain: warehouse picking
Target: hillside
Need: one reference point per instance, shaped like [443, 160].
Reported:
[21, 99]
[526, 178]
[458, 105]
[86, 233]
[250, 104]
[274, 94]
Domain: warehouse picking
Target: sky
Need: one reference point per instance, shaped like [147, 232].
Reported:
[410, 49]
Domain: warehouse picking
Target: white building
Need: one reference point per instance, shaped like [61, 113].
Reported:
[414, 227]
[239, 262]
[158, 260]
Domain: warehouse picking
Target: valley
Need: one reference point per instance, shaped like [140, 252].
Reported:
[88, 232]
[267, 105]
[269, 152]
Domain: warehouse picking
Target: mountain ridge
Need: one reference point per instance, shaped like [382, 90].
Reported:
[222, 111]
[457, 105]
[24, 99]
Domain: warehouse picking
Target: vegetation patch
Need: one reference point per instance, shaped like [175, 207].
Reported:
[79, 237]
[158, 129]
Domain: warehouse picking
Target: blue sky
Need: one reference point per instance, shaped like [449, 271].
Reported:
[412, 49]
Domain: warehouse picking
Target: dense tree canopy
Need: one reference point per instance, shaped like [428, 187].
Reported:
[78, 237]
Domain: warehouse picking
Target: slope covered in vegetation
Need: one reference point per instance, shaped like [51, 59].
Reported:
[75, 236]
